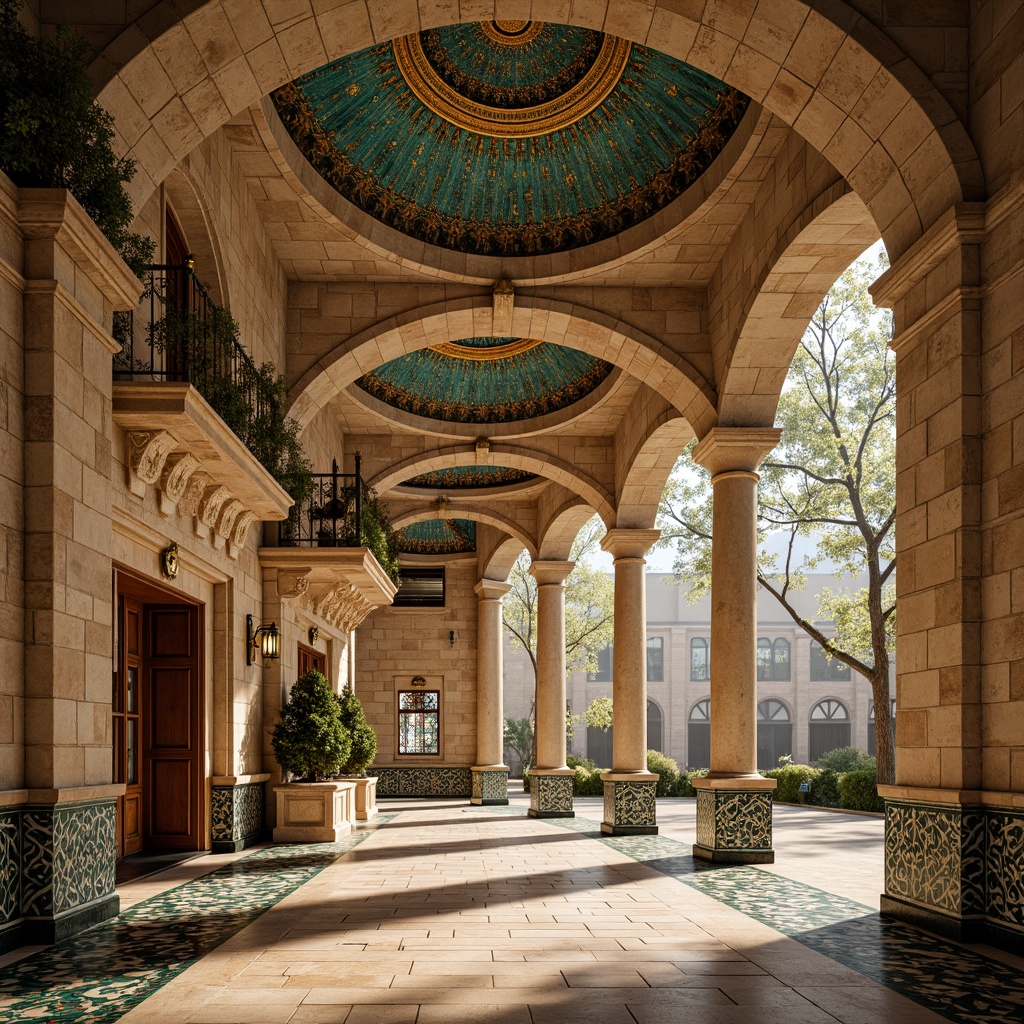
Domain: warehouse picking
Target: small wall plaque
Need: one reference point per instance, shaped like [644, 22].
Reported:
[169, 561]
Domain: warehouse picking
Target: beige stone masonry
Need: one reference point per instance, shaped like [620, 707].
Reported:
[550, 716]
[490, 662]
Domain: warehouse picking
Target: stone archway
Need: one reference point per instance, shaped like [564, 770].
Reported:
[832, 232]
[171, 79]
[479, 515]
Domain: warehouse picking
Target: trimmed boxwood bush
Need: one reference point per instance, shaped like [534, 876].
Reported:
[824, 789]
[859, 791]
[364, 739]
[789, 777]
[667, 768]
[310, 742]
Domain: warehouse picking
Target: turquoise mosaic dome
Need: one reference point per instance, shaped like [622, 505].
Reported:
[486, 380]
[509, 138]
[438, 537]
[469, 478]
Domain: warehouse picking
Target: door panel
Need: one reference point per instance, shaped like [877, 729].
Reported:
[173, 732]
[126, 707]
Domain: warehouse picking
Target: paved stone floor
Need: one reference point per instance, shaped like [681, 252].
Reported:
[450, 913]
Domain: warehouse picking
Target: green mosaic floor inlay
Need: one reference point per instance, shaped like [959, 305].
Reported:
[949, 980]
[98, 976]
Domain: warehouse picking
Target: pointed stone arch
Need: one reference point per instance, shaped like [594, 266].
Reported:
[830, 234]
[182, 69]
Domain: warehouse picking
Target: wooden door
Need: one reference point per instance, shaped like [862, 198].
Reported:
[173, 747]
[127, 710]
[309, 658]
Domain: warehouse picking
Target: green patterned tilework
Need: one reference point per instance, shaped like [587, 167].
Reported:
[728, 820]
[551, 794]
[457, 478]
[99, 975]
[630, 804]
[438, 537]
[453, 782]
[956, 982]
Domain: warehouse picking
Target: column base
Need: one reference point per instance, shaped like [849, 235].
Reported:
[734, 820]
[490, 785]
[551, 793]
[629, 804]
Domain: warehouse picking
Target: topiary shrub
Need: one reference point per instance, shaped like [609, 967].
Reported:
[684, 784]
[363, 738]
[845, 759]
[587, 782]
[858, 791]
[789, 777]
[825, 789]
[310, 742]
[579, 762]
[667, 768]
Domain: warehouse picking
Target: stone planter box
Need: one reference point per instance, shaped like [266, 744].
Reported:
[364, 804]
[314, 812]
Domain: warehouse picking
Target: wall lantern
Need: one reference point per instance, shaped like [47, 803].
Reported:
[262, 640]
[452, 637]
[314, 635]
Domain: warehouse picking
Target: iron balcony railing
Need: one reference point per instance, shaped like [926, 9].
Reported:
[179, 334]
[331, 517]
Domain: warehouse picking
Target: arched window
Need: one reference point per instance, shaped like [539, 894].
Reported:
[829, 727]
[698, 735]
[654, 724]
[827, 670]
[700, 660]
[872, 742]
[774, 733]
[772, 660]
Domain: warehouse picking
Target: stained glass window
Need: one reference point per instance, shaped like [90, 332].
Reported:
[419, 722]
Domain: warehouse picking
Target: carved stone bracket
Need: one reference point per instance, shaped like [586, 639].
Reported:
[147, 453]
[293, 582]
[341, 605]
[178, 470]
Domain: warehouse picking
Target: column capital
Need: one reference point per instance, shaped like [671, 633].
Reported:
[735, 449]
[550, 571]
[492, 590]
[623, 543]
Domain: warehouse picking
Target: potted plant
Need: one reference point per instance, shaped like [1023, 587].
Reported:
[361, 754]
[311, 744]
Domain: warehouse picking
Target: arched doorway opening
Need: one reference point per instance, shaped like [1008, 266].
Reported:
[774, 733]
[829, 727]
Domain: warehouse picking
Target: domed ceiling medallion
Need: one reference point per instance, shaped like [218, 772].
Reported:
[509, 138]
[438, 537]
[469, 478]
[486, 380]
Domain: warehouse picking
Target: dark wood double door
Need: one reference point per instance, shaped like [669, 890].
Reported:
[158, 721]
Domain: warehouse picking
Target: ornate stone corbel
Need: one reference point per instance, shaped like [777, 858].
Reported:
[242, 526]
[147, 453]
[177, 472]
[293, 582]
[188, 503]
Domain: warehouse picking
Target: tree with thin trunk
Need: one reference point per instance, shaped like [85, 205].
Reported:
[831, 482]
[589, 608]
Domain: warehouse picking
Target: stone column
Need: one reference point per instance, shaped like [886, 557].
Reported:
[490, 773]
[550, 778]
[629, 788]
[73, 282]
[734, 803]
[954, 816]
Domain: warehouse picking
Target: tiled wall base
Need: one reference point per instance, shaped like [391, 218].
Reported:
[630, 808]
[551, 795]
[957, 870]
[734, 826]
[56, 871]
[490, 786]
[451, 782]
[237, 813]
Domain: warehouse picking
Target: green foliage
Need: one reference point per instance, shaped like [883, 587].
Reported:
[667, 768]
[310, 742]
[830, 482]
[589, 604]
[789, 777]
[587, 782]
[846, 759]
[600, 714]
[580, 762]
[684, 784]
[519, 737]
[363, 739]
[858, 790]
[377, 535]
[824, 789]
[55, 135]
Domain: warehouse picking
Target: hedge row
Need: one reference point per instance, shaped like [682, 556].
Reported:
[854, 790]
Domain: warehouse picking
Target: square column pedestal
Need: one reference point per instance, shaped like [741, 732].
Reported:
[490, 785]
[551, 793]
[734, 820]
[629, 804]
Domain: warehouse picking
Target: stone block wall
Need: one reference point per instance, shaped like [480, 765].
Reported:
[395, 644]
